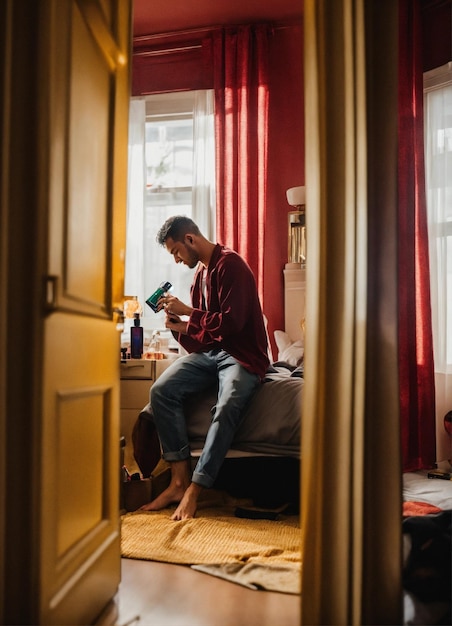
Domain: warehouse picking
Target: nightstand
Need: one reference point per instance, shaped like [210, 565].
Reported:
[137, 378]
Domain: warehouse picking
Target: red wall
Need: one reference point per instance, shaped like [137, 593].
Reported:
[285, 160]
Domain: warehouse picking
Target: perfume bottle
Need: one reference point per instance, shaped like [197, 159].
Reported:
[136, 338]
[152, 301]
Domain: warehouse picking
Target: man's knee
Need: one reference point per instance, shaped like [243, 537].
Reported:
[157, 390]
[165, 388]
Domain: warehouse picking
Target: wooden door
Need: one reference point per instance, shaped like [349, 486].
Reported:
[84, 72]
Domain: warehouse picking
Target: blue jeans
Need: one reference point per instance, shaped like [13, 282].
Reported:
[190, 374]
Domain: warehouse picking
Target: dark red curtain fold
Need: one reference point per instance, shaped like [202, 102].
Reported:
[240, 57]
[416, 371]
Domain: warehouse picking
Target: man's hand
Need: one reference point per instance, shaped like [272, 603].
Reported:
[173, 305]
[174, 322]
[174, 308]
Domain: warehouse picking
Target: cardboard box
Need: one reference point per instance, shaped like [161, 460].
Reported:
[136, 493]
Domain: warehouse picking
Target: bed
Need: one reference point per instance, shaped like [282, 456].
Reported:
[271, 426]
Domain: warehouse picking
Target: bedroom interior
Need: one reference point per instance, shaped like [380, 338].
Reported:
[60, 542]
[293, 284]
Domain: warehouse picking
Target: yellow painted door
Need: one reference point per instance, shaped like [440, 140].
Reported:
[85, 74]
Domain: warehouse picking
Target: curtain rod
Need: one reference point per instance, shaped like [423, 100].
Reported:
[154, 53]
[142, 39]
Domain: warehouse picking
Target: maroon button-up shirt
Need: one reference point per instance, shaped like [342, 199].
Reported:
[232, 319]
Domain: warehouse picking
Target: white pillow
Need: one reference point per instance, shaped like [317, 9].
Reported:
[269, 345]
[289, 351]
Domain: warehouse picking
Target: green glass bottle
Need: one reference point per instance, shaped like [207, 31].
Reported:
[152, 301]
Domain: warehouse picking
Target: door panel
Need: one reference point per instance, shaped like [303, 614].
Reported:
[89, 155]
[86, 67]
[82, 419]
[79, 497]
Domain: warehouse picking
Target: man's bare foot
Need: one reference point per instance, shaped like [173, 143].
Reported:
[172, 494]
[188, 504]
[180, 480]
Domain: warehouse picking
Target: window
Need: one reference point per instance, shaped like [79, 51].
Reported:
[438, 179]
[171, 171]
[438, 160]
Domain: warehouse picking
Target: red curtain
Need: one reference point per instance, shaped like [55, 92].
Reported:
[241, 111]
[416, 371]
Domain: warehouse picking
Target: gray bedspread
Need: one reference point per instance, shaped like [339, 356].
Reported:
[272, 422]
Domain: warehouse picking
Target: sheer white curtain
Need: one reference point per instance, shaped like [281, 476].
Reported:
[203, 190]
[438, 165]
[133, 281]
[146, 263]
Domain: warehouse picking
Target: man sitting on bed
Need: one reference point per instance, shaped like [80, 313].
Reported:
[226, 340]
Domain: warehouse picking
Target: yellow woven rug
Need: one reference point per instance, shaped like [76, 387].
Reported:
[259, 554]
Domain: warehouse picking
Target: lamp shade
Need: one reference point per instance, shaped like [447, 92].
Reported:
[296, 196]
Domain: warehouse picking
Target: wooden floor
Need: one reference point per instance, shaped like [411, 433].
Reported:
[159, 594]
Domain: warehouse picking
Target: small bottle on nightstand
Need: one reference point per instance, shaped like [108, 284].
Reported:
[136, 338]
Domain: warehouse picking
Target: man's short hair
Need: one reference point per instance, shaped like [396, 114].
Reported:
[177, 227]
